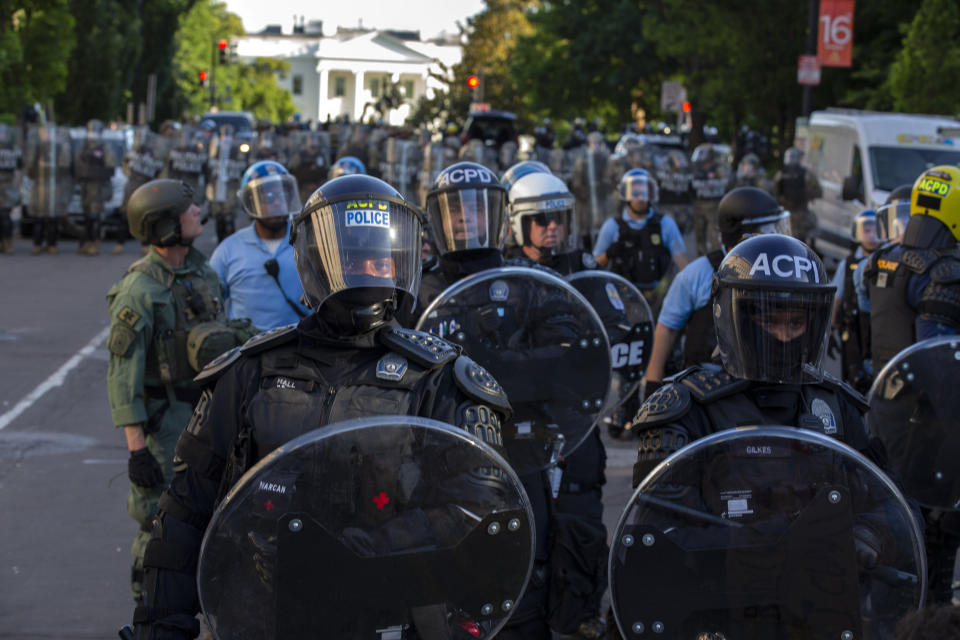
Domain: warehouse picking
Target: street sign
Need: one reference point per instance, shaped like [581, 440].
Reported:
[835, 35]
[808, 70]
[672, 96]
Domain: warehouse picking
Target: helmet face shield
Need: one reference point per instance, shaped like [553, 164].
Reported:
[638, 187]
[892, 221]
[546, 224]
[769, 335]
[271, 196]
[865, 232]
[467, 218]
[778, 222]
[358, 242]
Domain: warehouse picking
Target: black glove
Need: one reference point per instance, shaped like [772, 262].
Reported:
[833, 346]
[615, 250]
[867, 545]
[144, 470]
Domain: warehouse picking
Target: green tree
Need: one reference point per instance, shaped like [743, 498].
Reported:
[923, 79]
[491, 39]
[240, 86]
[101, 68]
[36, 39]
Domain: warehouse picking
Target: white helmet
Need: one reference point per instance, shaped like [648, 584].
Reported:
[541, 198]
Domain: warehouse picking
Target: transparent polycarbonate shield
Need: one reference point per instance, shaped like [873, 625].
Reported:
[915, 412]
[389, 525]
[628, 321]
[753, 533]
[545, 345]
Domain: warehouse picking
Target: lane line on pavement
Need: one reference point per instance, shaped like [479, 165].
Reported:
[55, 380]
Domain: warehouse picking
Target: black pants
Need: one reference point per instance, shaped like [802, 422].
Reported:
[45, 229]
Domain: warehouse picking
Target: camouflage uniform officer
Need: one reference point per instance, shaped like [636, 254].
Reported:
[160, 311]
[11, 161]
[94, 165]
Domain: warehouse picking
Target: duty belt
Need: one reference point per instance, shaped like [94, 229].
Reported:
[188, 395]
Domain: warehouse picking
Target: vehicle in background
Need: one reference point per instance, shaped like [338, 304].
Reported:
[493, 127]
[860, 156]
[240, 120]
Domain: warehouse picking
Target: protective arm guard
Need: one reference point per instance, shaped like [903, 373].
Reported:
[940, 300]
[170, 566]
[658, 427]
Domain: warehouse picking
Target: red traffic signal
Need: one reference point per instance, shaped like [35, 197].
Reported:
[222, 45]
[473, 82]
[686, 107]
[203, 78]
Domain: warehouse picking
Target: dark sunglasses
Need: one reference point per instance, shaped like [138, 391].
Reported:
[544, 218]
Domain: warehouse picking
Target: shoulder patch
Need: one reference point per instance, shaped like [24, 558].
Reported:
[707, 385]
[843, 388]
[128, 316]
[669, 402]
[216, 367]
[477, 383]
[588, 261]
[267, 339]
[946, 270]
[425, 349]
[121, 337]
[918, 260]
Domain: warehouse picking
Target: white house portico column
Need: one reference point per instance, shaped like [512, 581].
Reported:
[357, 95]
[323, 97]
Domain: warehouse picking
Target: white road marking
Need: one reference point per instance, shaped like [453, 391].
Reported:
[104, 461]
[55, 380]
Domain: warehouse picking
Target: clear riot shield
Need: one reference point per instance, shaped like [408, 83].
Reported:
[386, 527]
[545, 345]
[146, 157]
[220, 157]
[49, 166]
[628, 321]
[752, 533]
[915, 412]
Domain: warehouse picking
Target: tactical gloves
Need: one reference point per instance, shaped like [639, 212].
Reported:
[144, 470]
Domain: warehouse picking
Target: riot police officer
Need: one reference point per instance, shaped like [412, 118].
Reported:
[914, 286]
[94, 166]
[742, 212]
[711, 175]
[166, 321]
[853, 333]
[771, 304]
[794, 188]
[346, 166]
[141, 164]
[641, 243]
[11, 162]
[358, 259]
[50, 166]
[543, 223]
[187, 161]
[228, 154]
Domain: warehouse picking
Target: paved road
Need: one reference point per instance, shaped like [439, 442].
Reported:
[64, 533]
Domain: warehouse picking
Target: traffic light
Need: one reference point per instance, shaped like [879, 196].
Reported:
[686, 107]
[222, 45]
[203, 78]
[473, 82]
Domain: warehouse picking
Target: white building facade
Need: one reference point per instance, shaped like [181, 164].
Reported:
[344, 75]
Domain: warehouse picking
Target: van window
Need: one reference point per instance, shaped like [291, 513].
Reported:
[894, 166]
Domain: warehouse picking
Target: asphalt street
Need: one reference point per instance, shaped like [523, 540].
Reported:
[64, 531]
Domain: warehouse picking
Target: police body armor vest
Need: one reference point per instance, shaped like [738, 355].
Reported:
[646, 258]
[851, 337]
[168, 357]
[888, 275]
[701, 338]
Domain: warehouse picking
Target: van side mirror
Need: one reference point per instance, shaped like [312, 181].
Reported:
[852, 189]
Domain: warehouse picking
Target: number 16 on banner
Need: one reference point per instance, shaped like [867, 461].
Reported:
[835, 37]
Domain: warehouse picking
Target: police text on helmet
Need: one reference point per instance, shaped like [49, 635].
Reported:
[785, 266]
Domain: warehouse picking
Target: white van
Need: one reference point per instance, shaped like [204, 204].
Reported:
[860, 156]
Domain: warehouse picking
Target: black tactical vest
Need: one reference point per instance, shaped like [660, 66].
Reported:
[646, 258]
[851, 338]
[701, 338]
[793, 186]
[891, 318]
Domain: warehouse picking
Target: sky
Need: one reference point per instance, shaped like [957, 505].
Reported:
[430, 17]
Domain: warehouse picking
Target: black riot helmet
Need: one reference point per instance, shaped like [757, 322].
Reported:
[466, 209]
[153, 211]
[749, 211]
[357, 248]
[772, 302]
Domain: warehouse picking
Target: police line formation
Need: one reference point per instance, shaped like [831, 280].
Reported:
[365, 418]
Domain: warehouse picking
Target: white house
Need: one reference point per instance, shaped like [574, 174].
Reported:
[333, 76]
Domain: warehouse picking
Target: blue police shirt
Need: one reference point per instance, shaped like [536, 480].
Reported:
[689, 291]
[838, 279]
[610, 233]
[250, 291]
